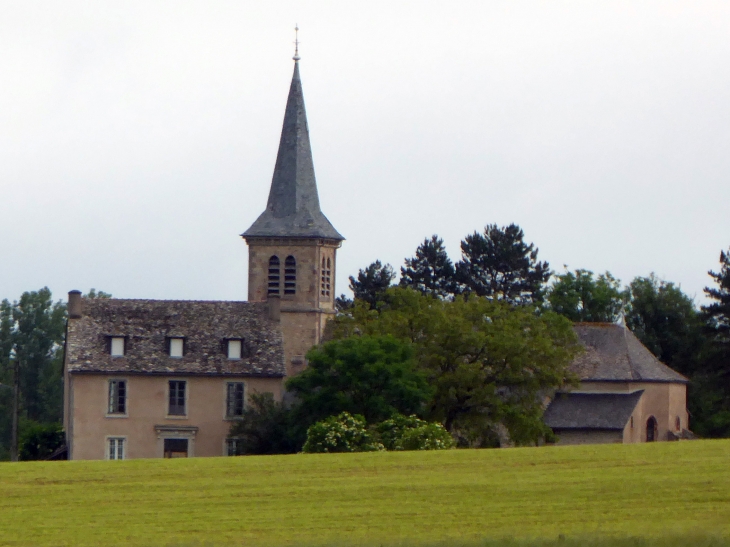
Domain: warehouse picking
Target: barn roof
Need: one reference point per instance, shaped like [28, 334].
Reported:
[146, 326]
[591, 410]
[613, 353]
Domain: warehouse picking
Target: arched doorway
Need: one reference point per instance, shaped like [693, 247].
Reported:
[651, 429]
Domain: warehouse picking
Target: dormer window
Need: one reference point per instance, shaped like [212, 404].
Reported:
[116, 346]
[234, 349]
[177, 347]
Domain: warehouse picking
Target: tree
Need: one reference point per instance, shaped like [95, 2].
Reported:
[666, 321]
[499, 265]
[372, 282]
[581, 297]
[431, 270]
[373, 376]
[490, 363]
[717, 314]
[267, 427]
[713, 381]
[31, 338]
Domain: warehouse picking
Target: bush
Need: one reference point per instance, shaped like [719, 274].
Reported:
[266, 427]
[411, 433]
[38, 441]
[341, 433]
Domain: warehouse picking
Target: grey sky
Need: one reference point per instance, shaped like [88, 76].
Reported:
[138, 139]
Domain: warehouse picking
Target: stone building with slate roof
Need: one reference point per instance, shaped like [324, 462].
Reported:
[626, 394]
[167, 378]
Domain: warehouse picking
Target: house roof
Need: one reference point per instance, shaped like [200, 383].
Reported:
[293, 206]
[613, 353]
[591, 410]
[147, 324]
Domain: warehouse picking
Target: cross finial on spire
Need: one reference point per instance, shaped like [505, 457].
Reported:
[296, 44]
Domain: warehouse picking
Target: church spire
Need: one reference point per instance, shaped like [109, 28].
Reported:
[293, 206]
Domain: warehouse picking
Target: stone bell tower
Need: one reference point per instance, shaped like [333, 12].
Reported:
[292, 245]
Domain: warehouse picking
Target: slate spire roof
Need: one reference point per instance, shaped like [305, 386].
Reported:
[293, 206]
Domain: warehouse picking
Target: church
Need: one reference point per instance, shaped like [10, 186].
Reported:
[167, 378]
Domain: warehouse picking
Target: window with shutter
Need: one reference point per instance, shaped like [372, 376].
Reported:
[274, 275]
[177, 347]
[234, 349]
[234, 399]
[290, 275]
[117, 397]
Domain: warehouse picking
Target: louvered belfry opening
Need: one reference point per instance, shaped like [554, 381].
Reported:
[290, 275]
[274, 275]
[326, 277]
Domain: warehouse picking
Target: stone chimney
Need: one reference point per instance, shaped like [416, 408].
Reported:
[75, 305]
[274, 302]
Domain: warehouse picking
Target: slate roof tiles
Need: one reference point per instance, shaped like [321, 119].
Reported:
[146, 326]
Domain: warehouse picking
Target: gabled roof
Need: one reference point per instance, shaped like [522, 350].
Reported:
[613, 353]
[147, 324]
[293, 206]
[591, 410]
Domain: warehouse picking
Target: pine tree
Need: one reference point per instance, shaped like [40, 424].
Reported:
[372, 282]
[499, 265]
[431, 271]
[718, 313]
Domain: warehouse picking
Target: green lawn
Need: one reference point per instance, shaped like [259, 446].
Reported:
[660, 493]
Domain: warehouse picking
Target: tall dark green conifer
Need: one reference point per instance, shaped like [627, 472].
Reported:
[372, 282]
[431, 271]
[499, 265]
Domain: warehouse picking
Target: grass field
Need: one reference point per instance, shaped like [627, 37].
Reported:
[648, 494]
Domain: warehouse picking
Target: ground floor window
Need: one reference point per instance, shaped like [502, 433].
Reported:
[176, 448]
[234, 447]
[116, 448]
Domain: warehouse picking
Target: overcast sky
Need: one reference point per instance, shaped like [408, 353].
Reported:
[138, 139]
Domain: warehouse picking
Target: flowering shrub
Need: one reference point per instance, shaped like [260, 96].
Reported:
[412, 433]
[342, 433]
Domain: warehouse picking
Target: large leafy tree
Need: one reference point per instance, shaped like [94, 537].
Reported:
[499, 265]
[431, 270]
[371, 283]
[580, 296]
[31, 338]
[374, 376]
[666, 321]
[490, 363]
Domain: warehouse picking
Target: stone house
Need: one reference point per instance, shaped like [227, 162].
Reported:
[166, 378]
[626, 395]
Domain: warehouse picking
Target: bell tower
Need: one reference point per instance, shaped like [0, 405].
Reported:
[292, 247]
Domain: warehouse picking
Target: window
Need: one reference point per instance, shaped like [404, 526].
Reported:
[632, 422]
[176, 448]
[177, 398]
[116, 448]
[678, 424]
[290, 275]
[233, 447]
[117, 397]
[234, 349]
[234, 399]
[116, 346]
[274, 275]
[326, 280]
[176, 347]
